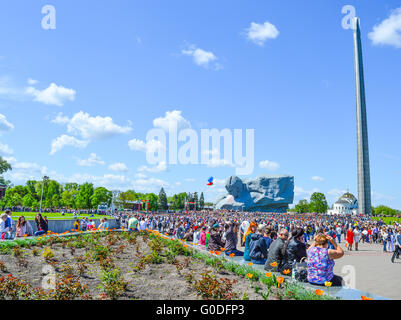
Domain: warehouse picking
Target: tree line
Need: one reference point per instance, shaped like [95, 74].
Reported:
[85, 196]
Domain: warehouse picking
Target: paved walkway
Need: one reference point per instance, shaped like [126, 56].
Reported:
[370, 269]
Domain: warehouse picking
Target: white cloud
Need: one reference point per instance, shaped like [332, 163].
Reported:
[4, 124]
[91, 161]
[53, 95]
[201, 57]
[5, 150]
[317, 178]
[91, 128]
[270, 165]
[259, 33]
[336, 193]
[119, 166]
[302, 193]
[140, 176]
[214, 163]
[26, 166]
[150, 146]
[149, 185]
[161, 167]
[60, 119]
[172, 119]
[388, 32]
[65, 140]
[10, 160]
[32, 82]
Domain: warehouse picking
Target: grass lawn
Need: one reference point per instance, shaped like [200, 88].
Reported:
[387, 220]
[52, 216]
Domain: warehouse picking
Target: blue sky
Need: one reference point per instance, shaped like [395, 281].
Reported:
[72, 98]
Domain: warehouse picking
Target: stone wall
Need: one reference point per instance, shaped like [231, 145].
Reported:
[60, 226]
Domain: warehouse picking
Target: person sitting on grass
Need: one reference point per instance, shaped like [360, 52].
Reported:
[232, 240]
[253, 226]
[9, 224]
[189, 235]
[202, 239]
[23, 228]
[106, 223]
[132, 224]
[197, 234]
[102, 224]
[257, 246]
[294, 249]
[215, 241]
[76, 225]
[4, 229]
[275, 255]
[321, 261]
[41, 225]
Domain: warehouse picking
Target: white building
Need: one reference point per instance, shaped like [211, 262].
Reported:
[347, 204]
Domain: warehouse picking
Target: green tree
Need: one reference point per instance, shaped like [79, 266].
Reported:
[4, 166]
[153, 201]
[202, 201]
[302, 206]
[318, 203]
[28, 201]
[67, 199]
[126, 196]
[163, 204]
[178, 201]
[83, 198]
[384, 210]
[101, 195]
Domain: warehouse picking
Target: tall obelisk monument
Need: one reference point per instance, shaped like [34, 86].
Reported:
[364, 193]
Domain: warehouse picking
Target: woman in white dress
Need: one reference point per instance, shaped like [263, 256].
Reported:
[357, 237]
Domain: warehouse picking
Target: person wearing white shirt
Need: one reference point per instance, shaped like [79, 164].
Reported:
[338, 232]
[244, 227]
[397, 250]
[4, 229]
[142, 225]
[357, 237]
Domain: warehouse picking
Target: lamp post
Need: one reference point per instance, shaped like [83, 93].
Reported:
[41, 195]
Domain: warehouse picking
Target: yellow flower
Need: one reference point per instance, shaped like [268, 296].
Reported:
[273, 264]
[328, 284]
[366, 298]
[286, 271]
[268, 274]
[250, 264]
[250, 275]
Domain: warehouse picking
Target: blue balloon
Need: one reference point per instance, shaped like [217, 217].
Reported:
[210, 180]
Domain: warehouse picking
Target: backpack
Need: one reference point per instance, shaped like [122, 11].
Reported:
[300, 271]
[254, 247]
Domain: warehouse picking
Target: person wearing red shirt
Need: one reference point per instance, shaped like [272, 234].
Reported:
[350, 238]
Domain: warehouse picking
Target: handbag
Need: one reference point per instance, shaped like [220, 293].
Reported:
[300, 270]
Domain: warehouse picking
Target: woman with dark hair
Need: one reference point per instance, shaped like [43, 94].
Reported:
[23, 227]
[41, 225]
[294, 249]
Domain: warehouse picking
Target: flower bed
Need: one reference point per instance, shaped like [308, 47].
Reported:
[123, 265]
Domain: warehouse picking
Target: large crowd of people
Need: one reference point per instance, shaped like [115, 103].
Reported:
[282, 242]
[302, 245]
